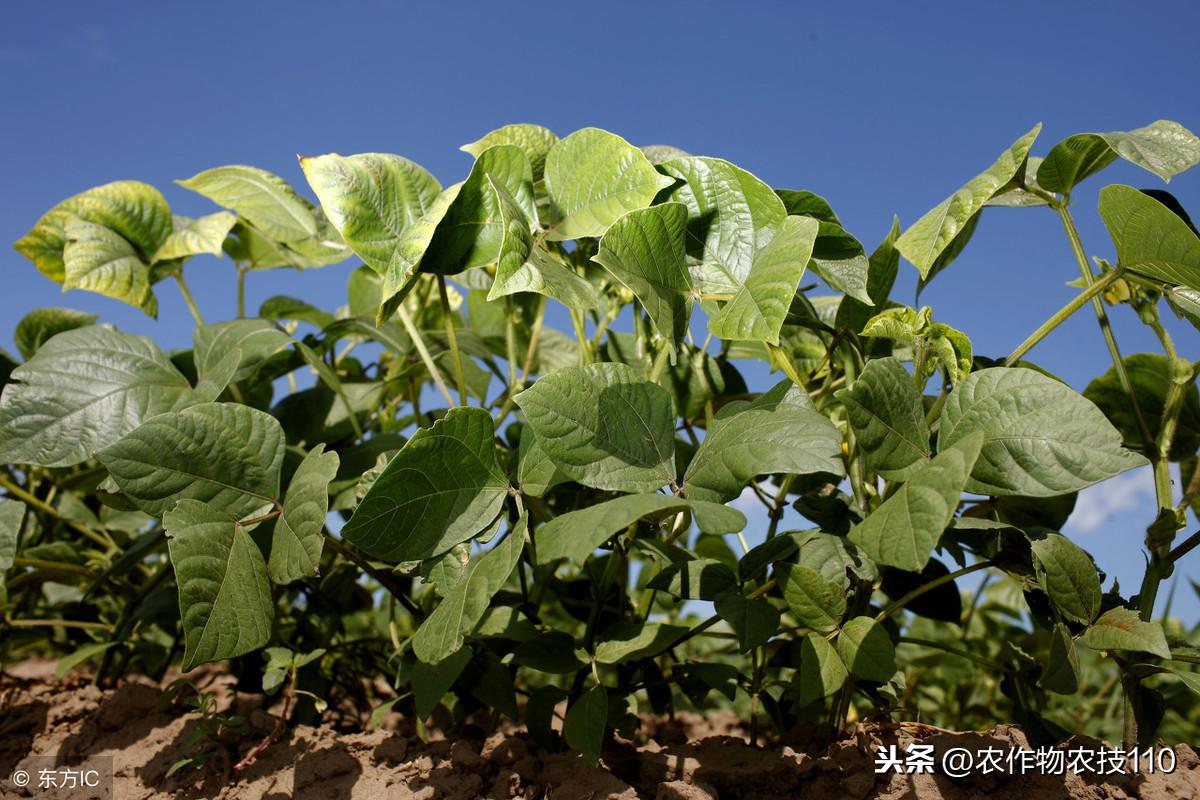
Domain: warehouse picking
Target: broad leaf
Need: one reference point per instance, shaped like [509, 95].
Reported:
[1040, 437]
[191, 237]
[1150, 237]
[1151, 376]
[12, 514]
[224, 454]
[585, 723]
[1163, 147]
[816, 603]
[39, 325]
[821, 671]
[754, 621]
[839, 259]
[903, 531]
[1061, 673]
[224, 596]
[697, 579]
[931, 234]
[463, 606]
[760, 304]
[296, 540]
[630, 641]
[644, 251]
[516, 246]
[1068, 576]
[552, 652]
[100, 260]
[575, 534]
[534, 140]
[882, 268]
[808, 204]
[545, 274]
[778, 432]
[442, 488]
[1122, 629]
[430, 682]
[536, 472]
[888, 417]
[81, 392]
[256, 340]
[262, 198]
[866, 650]
[604, 426]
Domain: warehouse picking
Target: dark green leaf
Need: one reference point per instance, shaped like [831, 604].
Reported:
[585, 723]
[296, 540]
[38, 326]
[754, 621]
[866, 650]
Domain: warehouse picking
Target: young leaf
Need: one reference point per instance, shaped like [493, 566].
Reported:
[882, 268]
[1163, 147]
[888, 417]
[1122, 629]
[903, 531]
[224, 596]
[604, 426]
[1150, 238]
[442, 488]
[39, 325]
[777, 432]
[224, 454]
[761, 302]
[754, 621]
[866, 650]
[575, 534]
[430, 682]
[1040, 437]
[933, 233]
[585, 723]
[459, 612]
[100, 260]
[593, 177]
[816, 603]
[644, 251]
[296, 538]
[1068, 576]
[263, 199]
[821, 671]
[191, 237]
[535, 140]
[81, 392]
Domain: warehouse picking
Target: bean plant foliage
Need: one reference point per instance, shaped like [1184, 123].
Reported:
[432, 484]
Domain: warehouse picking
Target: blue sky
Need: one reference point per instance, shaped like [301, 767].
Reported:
[883, 108]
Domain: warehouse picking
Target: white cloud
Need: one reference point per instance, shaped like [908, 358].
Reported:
[1099, 504]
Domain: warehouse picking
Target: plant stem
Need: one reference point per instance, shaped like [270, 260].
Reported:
[383, 578]
[980, 660]
[241, 292]
[419, 342]
[188, 299]
[452, 340]
[930, 586]
[1060, 316]
[39, 505]
[53, 566]
[57, 623]
[1183, 548]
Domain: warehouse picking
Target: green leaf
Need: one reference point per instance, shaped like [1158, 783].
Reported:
[136, 212]
[903, 531]
[882, 267]
[516, 246]
[835, 557]
[262, 198]
[808, 204]
[463, 606]
[778, 432]
[593, 177]
[39, 325]
[100, 260]
[430, 682]
[1184, 302]
[12, 514]
[821, 671]
[1163, 147]
[1150, 376]
[372, 199]
[1068, 577]
[816, 603]
[839, 259]
[644, 251]
[224, 454]
[933, 233]
[575, 534]
[552, 652]
[760, 304]
[1061, 673]
[731, 216]
[754, 621]
[545, 274]
[661, 153]
[536, 473]
[284, 307]
[192, 237]
[224, 596]
[1122, 629]
[866, 650]
[604, 426]
[1150, 238]
[534, 140]
[585, 722]
[442, 488]
[888, 417]
[631, 641]
[81, 392]
[697, 579]
[256, 340]
[1040, 437]
[296, 539]
[254, 251]
[82, 654]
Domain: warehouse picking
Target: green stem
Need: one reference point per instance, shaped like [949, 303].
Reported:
[188, 299]
[423, 351]
[57, 623]
[384, 578]
[241, 292]
[452, 340]
[1060, 316]
[53, 566]
[930, 586]
[39, 505]
[980, 660]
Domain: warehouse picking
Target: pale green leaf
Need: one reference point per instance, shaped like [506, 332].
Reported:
[81, 392]
[839, 259]
[816, 603]
[224, 454]
[1150, 238]
[604, 426]
[74, 659]
[1122, 629]
[1163, 147]
[534, 140]
[1068, 576]
[36, 327]
[224, 596]
[593, 177]
[516, 246]
[100, 260]
[661, 153]
[283, 307]
[888, 417]
[931, 234]
[545, 274]
[1040, 437]
[191, 237]
[903, 531]
[262, 198]
[585, 723]
[442, 488]
[256, 339]
[296, 539]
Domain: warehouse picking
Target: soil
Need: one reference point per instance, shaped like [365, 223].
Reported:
[688, 758]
